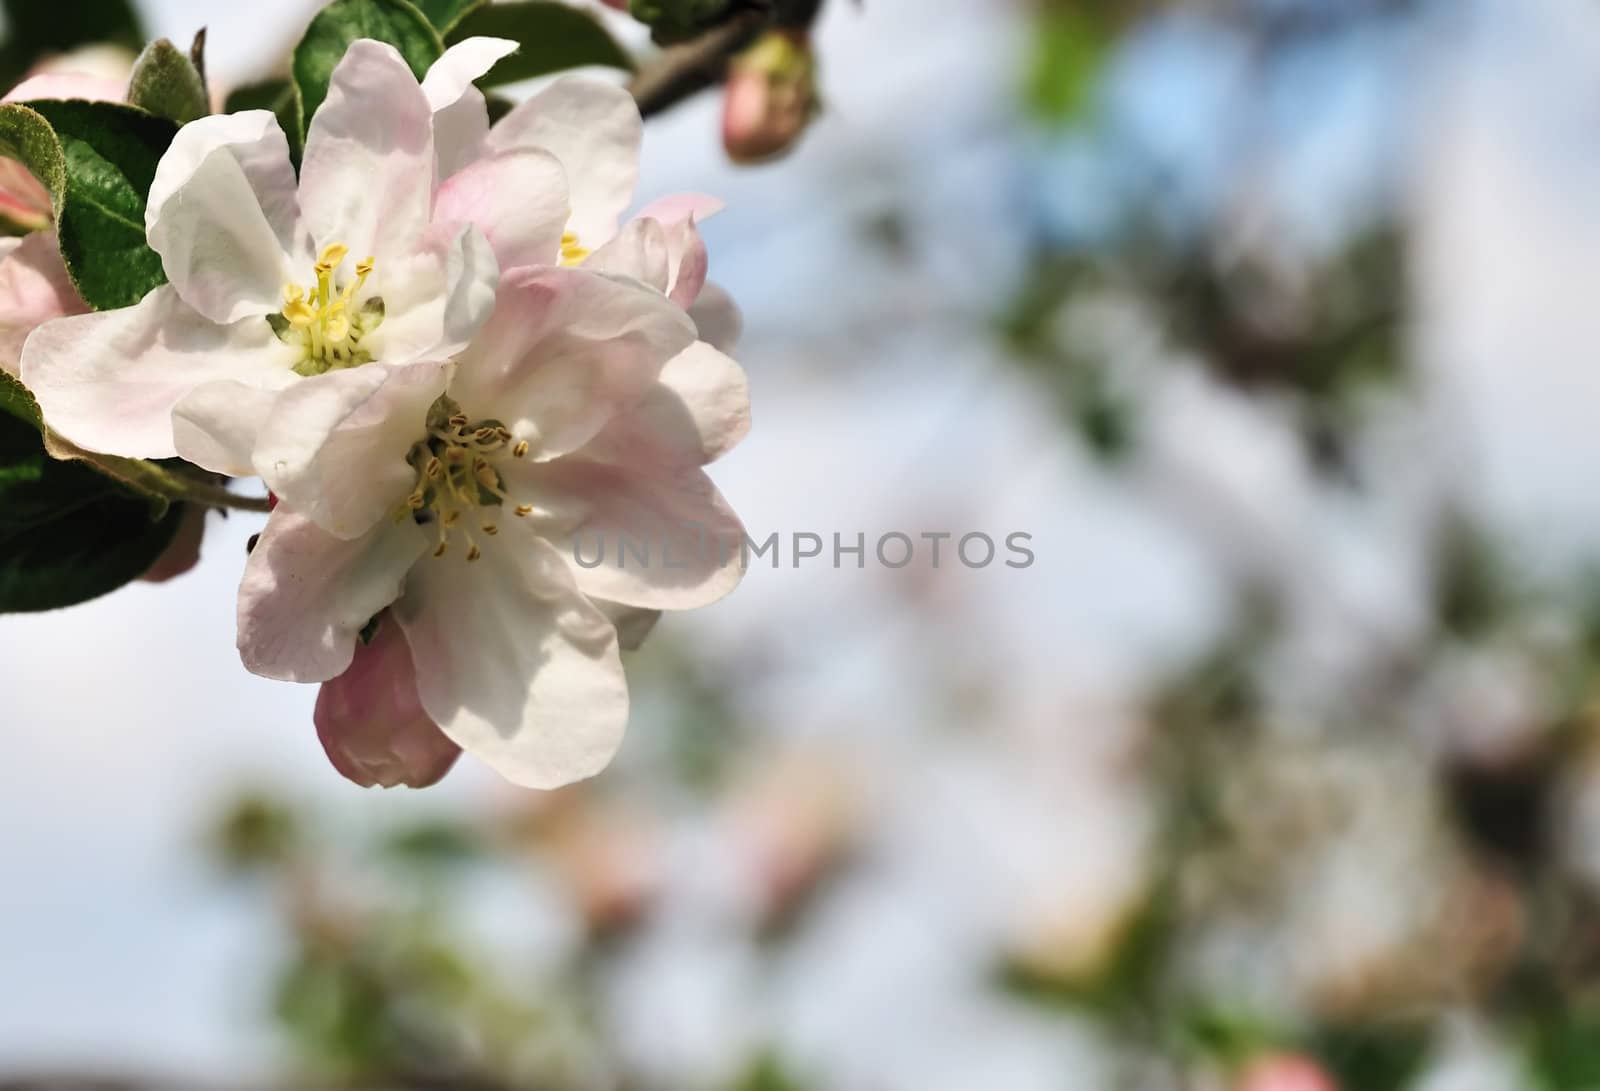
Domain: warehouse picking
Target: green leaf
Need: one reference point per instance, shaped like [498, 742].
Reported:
[446, 15]
[344, 21]
[18, 401]
[167, 83]
[97, 159]
[279, 95]
[67, 533]
[553, 37]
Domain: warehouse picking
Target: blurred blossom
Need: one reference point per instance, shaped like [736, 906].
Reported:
[770, 98]
[1285, 1072]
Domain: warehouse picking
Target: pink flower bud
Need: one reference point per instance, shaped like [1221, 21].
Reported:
[184, 551]
[770, 98]
[1286, 1072]
[371, 721]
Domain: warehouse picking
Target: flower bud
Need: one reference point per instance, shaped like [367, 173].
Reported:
[770, 98]
[1286, 1072]
[371, 721]
[183, 553]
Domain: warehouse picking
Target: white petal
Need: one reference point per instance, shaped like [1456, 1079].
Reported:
[215, 425]
[680, 216]
[595, 130]
[516, 666]
[109, 381]
[518, 200]
[334, 448]
[367, 178]
[306, 595]
[436, 299]
[654, 538]
[564, 351]
[696, 413]
[224, 217]
[34, 288]
[460, 112]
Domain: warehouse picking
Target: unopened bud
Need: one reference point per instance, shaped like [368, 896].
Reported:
[770, 98]
[371, 721]
[183, 553]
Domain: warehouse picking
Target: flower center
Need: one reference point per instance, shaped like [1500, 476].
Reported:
[457, 482]
[323, 321]
[572, 253]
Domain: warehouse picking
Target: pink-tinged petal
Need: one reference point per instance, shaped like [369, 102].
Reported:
[306, 595]
[460, 112]
[183, 553]
[518, 200]
[334, 448]
[515, 665]
[23, 199]
[67, 85]
[565, 350]
[109, 381]
[367, 178]
[371, 721]
[437, 298]
[595, 130]
[216, 424]
[717, 317]
[224, 217]
[680, 216]
[659, 539]
[697, 412]
[639, 252]
[34, 288]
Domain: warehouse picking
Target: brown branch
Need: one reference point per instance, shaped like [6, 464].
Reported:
[687, 69]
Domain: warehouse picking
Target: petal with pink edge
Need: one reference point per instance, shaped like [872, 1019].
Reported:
[34, 288]
[109, 381]
[697, 412]
[460, 112]
[514, 664]
[367, 178]
[639, 252]
[306, 595]
[517, 199]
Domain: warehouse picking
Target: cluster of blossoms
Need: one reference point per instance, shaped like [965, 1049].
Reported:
[448, 357]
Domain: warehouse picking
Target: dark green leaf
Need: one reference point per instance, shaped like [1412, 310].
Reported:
[167, 83]
[553, 37]
[445, 15]
[281, 97]
[67, 533]
[97, 159]
[344, 21]
[38, 29]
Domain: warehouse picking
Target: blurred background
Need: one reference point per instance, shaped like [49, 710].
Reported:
[1270, 321]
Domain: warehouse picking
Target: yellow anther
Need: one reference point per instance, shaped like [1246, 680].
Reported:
[524, 510]
[442, 547]
[299, 313]
[572, 253]
[338, 327]
[474, 553]
[521, 449]
[333, 255]
[365, 266]
[433, 469]
[490, 529]
[293, 293]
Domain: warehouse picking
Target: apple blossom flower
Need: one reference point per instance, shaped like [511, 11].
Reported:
[771, 97]
[455, 495]
[274, 280]
[372, 724]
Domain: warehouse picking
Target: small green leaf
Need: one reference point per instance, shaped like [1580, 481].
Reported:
[167, 83]
[396, 22]
[446, 15]
[553, 37]
[67, 533]
[18, 400]
[97, 159]
[281, 96]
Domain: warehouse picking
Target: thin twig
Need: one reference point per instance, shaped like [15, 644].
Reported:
[689, 68]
